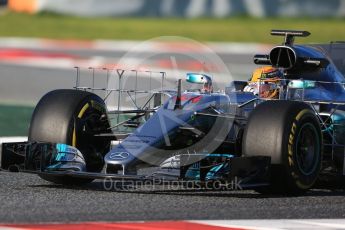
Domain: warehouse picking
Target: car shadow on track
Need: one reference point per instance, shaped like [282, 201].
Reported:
[99, 186]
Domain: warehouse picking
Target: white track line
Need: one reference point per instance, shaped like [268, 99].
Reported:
[301, 224]
[10, 228]
[12, 139]
[121, 45]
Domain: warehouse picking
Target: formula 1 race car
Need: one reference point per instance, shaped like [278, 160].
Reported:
[286, 144]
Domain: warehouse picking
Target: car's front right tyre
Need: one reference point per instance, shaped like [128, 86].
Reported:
[72, 117]
[289, 132]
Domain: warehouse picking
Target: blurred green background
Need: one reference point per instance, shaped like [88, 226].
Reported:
[14, 120]
[234, 29]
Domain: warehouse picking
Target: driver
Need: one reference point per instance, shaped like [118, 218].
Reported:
[264, 82]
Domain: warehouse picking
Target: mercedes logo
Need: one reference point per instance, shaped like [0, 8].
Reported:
[119, 155]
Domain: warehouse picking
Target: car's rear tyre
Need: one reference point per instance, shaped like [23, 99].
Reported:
[72, 117]
[288, 132]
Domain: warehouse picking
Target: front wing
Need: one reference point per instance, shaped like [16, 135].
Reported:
[249, 172]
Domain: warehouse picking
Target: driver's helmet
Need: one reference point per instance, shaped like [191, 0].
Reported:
[264, 82]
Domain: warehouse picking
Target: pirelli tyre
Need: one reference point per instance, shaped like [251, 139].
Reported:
[289, 132]
[72, 117]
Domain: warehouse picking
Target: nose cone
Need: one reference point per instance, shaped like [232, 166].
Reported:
[147, 143]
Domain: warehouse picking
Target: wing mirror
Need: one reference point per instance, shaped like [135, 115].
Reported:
[301, 84]
[198, 78]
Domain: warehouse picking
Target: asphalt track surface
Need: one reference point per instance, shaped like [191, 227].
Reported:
[27, 198]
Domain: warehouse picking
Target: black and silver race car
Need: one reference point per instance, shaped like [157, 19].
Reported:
[286, 144]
